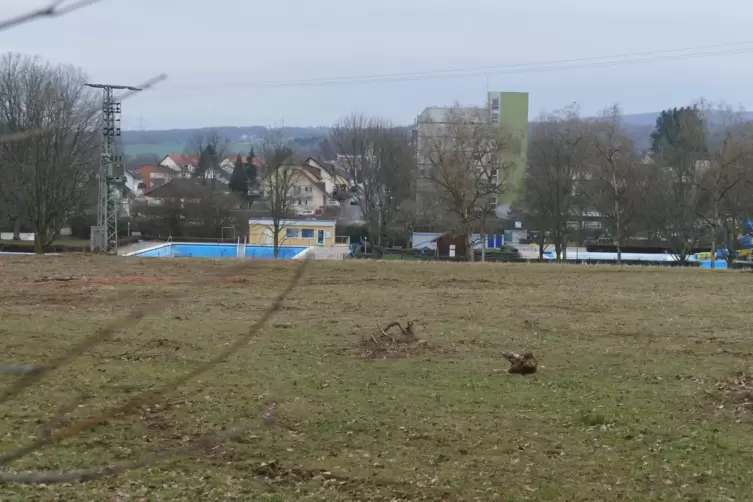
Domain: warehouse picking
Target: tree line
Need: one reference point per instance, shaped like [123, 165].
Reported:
[691, 188]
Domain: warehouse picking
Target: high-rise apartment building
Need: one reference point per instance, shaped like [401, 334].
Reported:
[508, 109]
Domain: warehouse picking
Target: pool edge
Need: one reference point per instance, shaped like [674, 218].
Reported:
[146, 250]
[304, 254]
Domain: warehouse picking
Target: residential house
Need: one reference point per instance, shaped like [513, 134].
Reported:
[228, 163]
[335, 177]
[154, 176]
[185, 189]
[134, 182]
[308, 192]
[132, 189]
[183, 165]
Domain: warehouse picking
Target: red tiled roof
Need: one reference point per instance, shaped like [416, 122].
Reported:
[155, 168]
[186, 187]
[183, 160]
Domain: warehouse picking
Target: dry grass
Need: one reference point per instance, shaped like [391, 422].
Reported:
[640, 393]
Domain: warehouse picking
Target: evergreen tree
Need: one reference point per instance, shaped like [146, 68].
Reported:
[239, 178]
[679, 130]
[208, 162]
[251, 171]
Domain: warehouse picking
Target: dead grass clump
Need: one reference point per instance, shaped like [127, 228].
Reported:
[389, 343]
[736, 390]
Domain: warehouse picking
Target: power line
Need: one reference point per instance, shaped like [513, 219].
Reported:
[53, 9]
[508, 69]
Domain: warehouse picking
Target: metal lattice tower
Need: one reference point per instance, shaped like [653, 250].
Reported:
[111, 172]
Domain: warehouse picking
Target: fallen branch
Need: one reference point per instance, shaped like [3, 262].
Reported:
[407, 332]
[56, 279]
[385, 335]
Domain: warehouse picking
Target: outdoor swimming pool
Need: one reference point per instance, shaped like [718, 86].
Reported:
[199, 250]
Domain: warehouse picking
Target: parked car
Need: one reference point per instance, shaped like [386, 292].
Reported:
[306, 213]
[333, 203]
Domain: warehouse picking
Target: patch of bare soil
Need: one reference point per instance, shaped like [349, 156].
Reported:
[160, 428]
[388, 343]
[736, 391]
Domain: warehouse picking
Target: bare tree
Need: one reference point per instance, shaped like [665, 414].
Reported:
[558, 149]
[380, 157]
[735, 210]
[54, 169]
[11, 205]
[467, 169]
[208, 149]
[616, 181]
[279, 181]
[730, 155]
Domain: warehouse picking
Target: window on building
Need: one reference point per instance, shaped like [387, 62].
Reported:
[291, 233]
[307, 233]
[306, 189]
[495, 117]
[495, 104]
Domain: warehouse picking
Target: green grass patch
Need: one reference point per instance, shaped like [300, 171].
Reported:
[626, 404]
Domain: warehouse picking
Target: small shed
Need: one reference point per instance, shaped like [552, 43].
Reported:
[293, 232]
[444, 241]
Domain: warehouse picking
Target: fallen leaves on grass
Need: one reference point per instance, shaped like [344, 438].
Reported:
[736, 390]
[48, 437]
[275, 472]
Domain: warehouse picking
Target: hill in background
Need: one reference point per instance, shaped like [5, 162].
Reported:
[305, 140]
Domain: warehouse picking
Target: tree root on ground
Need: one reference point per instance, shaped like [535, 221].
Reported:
[407, 332]
[521, 364]
[383, 340]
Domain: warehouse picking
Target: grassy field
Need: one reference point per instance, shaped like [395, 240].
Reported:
[636, 397]
[162, 149]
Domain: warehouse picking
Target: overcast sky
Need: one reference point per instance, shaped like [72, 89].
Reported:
[216, 52]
